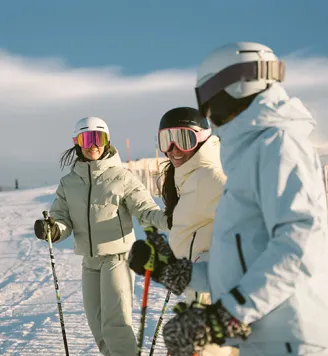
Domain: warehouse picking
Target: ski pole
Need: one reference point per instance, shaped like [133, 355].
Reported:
[149, 267]
[159, 323]
[143, 311]
[52, 259]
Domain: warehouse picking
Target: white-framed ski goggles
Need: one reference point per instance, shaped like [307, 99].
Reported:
[185, 138]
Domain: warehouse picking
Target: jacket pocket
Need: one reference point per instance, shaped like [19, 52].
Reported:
[241, 254]
[121, 226]
[234, 291]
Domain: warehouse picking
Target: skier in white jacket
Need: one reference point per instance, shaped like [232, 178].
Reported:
[96, 201]
[267, 271]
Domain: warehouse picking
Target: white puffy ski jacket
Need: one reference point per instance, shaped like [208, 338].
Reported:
[96, 201]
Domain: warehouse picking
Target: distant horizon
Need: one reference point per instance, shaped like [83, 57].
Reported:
[3, 188]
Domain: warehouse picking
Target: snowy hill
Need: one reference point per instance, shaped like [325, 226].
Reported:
[29, 323]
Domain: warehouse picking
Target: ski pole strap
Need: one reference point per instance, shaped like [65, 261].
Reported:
[45, 215]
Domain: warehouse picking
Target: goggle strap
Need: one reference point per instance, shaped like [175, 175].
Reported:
[203, 135]
[246, 71]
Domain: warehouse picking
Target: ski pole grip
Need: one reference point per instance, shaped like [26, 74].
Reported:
[45, 214]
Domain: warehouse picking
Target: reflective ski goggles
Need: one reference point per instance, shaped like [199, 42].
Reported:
[185, 138]
[88, 138]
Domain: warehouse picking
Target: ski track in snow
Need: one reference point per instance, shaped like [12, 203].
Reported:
[29, 322]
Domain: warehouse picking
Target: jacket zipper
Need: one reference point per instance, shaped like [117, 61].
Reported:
[192, 244]
[289, 347]
[190, 255]
[234, 291]
[119, 218]
[240, 253]
[89, 207]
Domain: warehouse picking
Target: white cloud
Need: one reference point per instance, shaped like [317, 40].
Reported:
[51, 82]
[307, 78]
[41, 99]
[305, 72]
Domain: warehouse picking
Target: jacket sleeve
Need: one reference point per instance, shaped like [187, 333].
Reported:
[59, 211]
[141, 204]
[290, 194]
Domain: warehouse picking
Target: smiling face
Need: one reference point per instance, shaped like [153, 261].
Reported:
[93, 153]
[178, 157]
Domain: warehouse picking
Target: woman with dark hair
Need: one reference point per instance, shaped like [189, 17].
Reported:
[193, 184]
[96, 201]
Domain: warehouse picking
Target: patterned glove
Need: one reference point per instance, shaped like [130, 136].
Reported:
[197, 325]
[173, 273]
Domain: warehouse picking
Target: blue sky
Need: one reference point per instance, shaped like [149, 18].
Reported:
[146, 35]
[129, 62]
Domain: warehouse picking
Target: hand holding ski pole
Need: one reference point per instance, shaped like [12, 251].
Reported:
[173, 273]
[41, 227]
[52, 259]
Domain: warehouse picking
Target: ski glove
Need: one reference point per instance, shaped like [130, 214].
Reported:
[40, 229]
[197, 325]
[155, 254]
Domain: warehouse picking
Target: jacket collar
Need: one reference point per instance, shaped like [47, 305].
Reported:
[96, 167]
[208, 155]
[270, 109]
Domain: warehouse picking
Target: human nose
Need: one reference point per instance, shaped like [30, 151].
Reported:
[175, 149]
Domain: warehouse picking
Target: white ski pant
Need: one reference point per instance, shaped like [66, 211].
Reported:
[107, 287]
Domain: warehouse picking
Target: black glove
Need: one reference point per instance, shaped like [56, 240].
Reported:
[40, 229]
[155, 254]
[197, 325]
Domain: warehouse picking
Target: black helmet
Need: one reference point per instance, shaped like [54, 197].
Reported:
[184, 117]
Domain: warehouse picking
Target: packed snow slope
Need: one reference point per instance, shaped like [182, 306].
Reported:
[29, 322]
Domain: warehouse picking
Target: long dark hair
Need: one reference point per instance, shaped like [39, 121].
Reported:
[68, 157]
[168, 191]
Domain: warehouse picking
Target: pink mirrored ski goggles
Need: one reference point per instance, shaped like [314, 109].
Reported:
[185, 138]
[88, 138]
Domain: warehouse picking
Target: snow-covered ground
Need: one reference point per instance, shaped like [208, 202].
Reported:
[29, 323]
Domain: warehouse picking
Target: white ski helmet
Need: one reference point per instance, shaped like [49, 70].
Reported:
[90, 124]
[241, 69]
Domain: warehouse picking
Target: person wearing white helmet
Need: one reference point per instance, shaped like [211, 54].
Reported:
[96, 201]
[267, 270]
